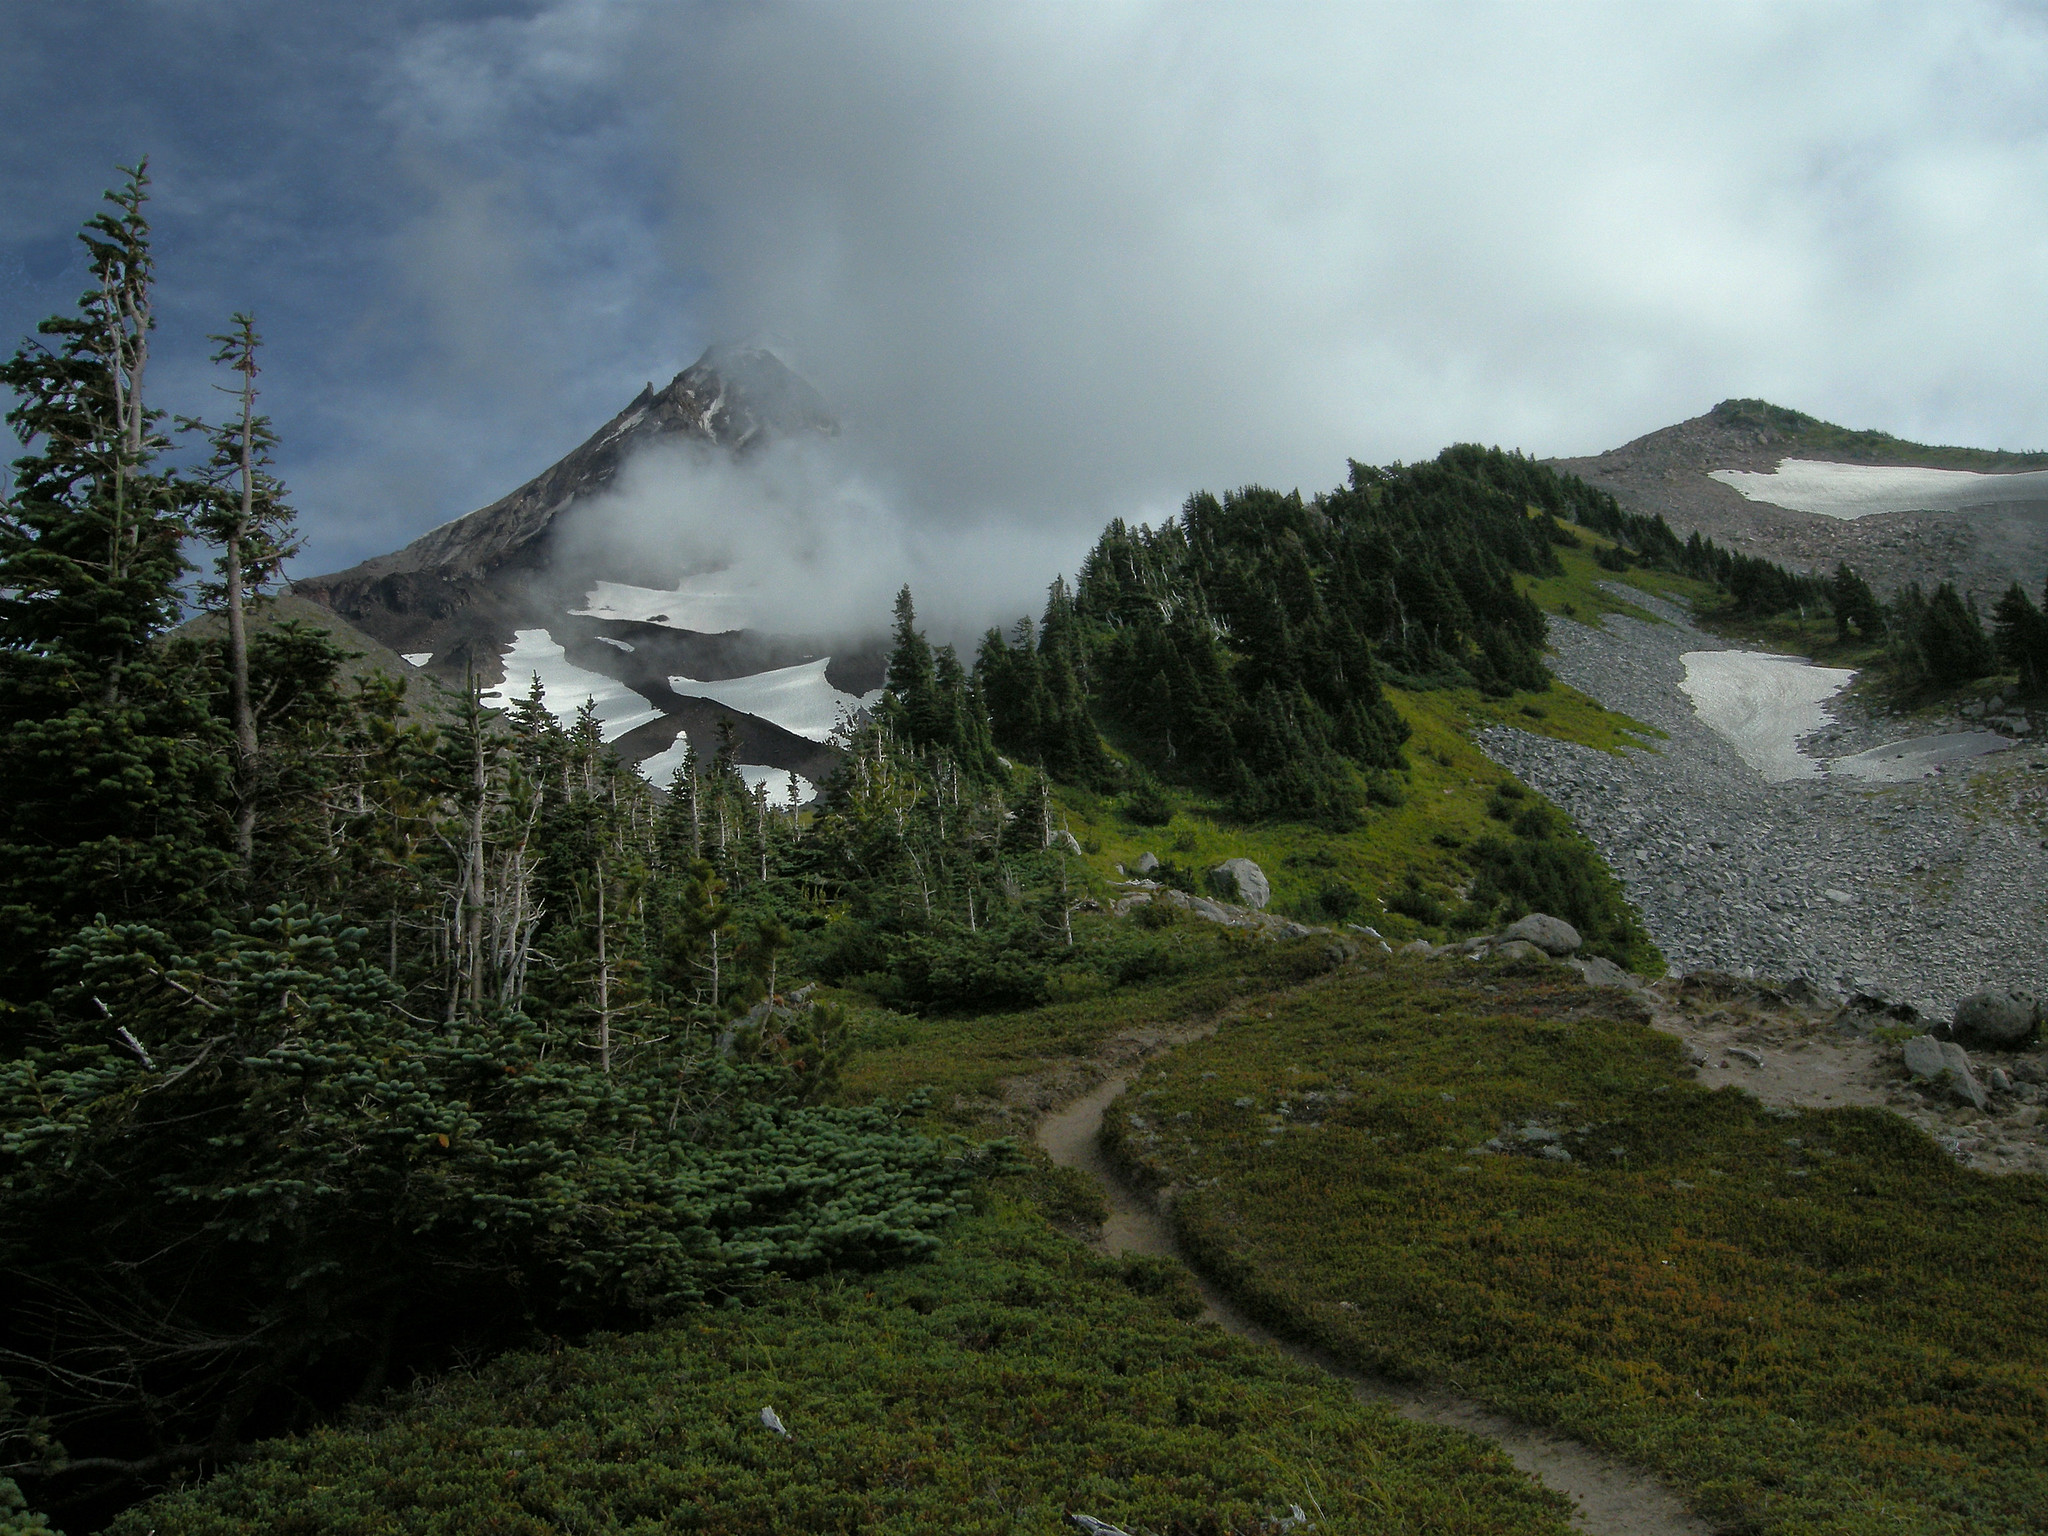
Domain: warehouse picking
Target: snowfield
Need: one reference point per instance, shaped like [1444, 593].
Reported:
[706, 605]
[1762, 705]
[417, 658]
[1850, 491]
[1897, 762]
[565, 686]
[661, 768]
[797, 698]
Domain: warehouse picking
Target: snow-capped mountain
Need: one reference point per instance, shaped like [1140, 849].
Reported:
[507, 593]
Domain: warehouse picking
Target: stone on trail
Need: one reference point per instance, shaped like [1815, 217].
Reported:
[1994, 1018]
[1552, 935]
[1244, 881]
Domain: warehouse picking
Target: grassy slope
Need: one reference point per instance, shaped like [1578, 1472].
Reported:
[1004, 1385]
[1812, 1321]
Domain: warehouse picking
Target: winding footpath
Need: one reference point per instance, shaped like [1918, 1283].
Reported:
[1611, 1498]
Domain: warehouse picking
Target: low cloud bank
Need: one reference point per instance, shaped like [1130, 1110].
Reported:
[802, 540]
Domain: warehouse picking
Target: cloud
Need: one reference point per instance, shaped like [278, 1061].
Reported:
[803, 542]
[1053, 263]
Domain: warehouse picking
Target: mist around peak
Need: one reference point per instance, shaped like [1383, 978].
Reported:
[796, 537]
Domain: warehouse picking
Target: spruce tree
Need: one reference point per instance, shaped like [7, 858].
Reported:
[242, 510]
[114, 767]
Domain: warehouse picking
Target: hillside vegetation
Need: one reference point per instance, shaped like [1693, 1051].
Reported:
[1488, 1175]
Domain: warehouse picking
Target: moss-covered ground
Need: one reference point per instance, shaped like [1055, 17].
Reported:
[1810, 1321]
[1009, 1383]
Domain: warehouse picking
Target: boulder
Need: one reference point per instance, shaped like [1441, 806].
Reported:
[1928, 1058]
[1243, 882]
[1517, 949]
[1600, 971]
[1147, 862]
[1418, 947]
[2002, 1019]
[1552, 935]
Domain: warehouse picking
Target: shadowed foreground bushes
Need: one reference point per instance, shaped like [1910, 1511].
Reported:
[1010, 1381]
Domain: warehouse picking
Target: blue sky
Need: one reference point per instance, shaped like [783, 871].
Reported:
[1051, 263]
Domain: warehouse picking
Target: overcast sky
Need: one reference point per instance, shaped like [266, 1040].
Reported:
[1050, 263]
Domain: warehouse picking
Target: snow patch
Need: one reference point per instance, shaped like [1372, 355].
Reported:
[1762, 705]
[619, 644]
[1898, 761]
[661, 768]
[1850, 491]
[565, 686]
[705, 605]
[417, 658]
[797, 698]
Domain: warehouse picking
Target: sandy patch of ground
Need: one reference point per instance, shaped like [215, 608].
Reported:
[1824, 1056]
[1850, 491]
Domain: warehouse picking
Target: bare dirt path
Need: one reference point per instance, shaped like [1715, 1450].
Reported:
[1611, 1497]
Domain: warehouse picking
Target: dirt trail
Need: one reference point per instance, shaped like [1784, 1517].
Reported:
[1612, 1498]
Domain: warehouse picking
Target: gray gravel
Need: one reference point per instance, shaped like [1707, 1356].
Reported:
[1920, 892]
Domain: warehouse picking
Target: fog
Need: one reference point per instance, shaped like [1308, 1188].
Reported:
[798, 539]
[1051, 263]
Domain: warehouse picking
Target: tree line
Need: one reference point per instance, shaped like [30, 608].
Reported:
[344, 1031]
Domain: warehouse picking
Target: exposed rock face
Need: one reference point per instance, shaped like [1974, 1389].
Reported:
[2001, 1019]
[1244, 882]
[1552, 935]
[1666, 472]
[461, 591]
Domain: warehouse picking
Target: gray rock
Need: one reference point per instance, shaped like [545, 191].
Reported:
[2000, 1083]
[1244, 881]
[1517, 949]
[1418, 947]
[1147, 862]
[1600, 971]
[1744, 1053]
[1995, 1018]
[1538, 1133]
[1923, 1057]
[1552, 935]
[1928, 1058]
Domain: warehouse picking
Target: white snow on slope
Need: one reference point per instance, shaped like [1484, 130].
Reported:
[1850, 491]
[1762, 704]
[1898, 761]
[661, 768]
[797, 698]
[417, 658]
[707, 605]
[565, 686]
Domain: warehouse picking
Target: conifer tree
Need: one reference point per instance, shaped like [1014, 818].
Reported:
[244, 513]
[109, 754]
